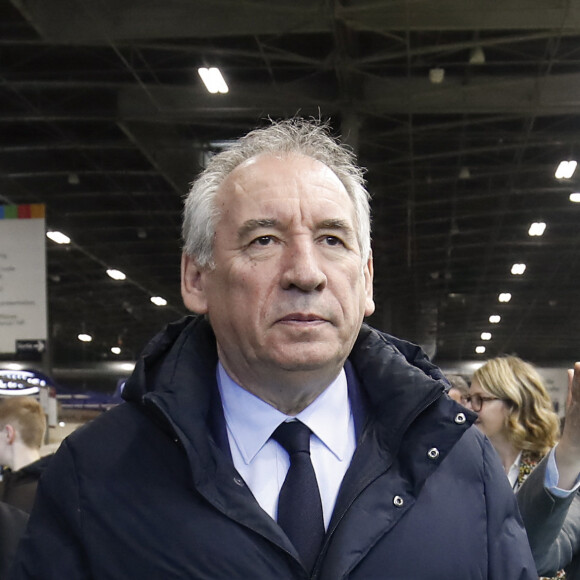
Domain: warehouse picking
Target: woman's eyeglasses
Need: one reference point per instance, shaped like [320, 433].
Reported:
[477, 401]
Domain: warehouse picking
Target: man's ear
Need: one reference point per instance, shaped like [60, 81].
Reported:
[193, 289]
[368, 273]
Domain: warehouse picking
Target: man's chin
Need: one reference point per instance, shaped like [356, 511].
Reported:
[308, 358]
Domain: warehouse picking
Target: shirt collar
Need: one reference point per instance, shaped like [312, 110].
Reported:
[251, 421]
[514, 471]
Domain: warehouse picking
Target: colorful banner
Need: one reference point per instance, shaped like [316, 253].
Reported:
[23, 315]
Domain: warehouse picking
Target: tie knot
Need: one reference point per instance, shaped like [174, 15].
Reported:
[294, 436]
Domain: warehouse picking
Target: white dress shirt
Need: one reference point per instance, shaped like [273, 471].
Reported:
[514, 472]
[552, 476]
[263, 463]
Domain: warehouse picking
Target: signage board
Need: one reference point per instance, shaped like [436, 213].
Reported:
[22, 275]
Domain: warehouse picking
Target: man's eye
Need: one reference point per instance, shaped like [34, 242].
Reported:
[263, 241]
[333, 241]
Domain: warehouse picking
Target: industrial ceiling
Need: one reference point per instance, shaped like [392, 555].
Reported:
[460, 110]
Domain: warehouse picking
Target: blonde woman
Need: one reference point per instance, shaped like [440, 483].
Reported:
[515, 412]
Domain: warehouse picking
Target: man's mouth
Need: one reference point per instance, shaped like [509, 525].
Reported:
[302, 317]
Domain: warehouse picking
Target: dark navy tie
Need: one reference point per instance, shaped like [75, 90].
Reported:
[299, 506]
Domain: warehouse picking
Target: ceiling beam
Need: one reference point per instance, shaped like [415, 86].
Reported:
[462, 15]
[553, 95]
[108, 21]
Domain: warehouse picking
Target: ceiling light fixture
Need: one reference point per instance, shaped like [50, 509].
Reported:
[158, 301]
[73, 179]
[504, 297]
[537, 229]
[85, 337]
[575, 197]
[477, 56]
[58, 237]
[464, 173]
[566, 169]
[480, 349]
[518, 269]
[436, 75]
[14, 367]
[116, 274]
[115, 350]
[213, 80]
[495, 318]
[486, 336]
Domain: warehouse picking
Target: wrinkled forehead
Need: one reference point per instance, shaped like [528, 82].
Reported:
[270, 168]
[275, 177]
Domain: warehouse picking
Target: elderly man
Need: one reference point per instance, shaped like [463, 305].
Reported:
[275, 435]
[550, 498]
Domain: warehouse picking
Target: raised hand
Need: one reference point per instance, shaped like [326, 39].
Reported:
[568, 450]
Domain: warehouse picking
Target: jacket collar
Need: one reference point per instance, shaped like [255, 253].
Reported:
[176, 368]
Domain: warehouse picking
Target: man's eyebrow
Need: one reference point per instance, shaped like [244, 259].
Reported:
[335, 224]
[252, 225]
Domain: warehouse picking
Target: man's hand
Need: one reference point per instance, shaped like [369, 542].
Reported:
[568, 450]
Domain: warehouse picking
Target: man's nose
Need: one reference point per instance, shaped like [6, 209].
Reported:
[302, 267]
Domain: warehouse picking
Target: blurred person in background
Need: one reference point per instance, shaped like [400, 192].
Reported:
[22, 430]
[549, 499]
[459, 390]
[12, 526]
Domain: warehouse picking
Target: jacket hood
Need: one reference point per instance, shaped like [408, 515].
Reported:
[190, 342]
[398, 378]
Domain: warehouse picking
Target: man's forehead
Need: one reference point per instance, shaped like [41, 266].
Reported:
[253, 168]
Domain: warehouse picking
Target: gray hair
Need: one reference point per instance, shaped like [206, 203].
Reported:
[310, 138]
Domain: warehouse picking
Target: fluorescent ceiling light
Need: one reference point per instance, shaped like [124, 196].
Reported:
[115, 350]
[566, 169]
[213, 80]
[480, 349]
[436, 75]
[85, 337]
[486, 336]
[504, 297]
[575, 197]
[58, 237]
[222, 144]
[158, 301]
[537, 229]
[495, 318]
[116, 274]
[518, 269]
[464, 173]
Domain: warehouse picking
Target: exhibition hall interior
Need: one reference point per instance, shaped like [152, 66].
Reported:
[466, 119]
